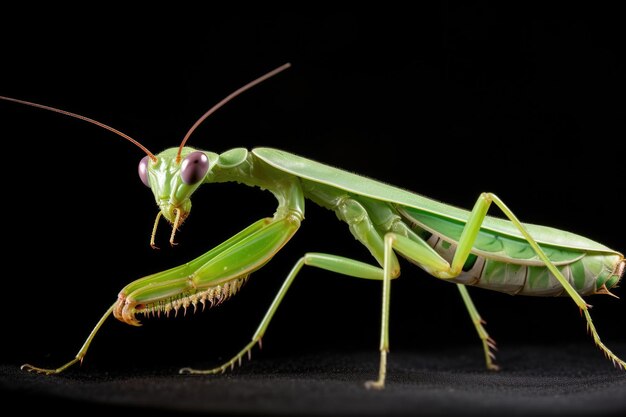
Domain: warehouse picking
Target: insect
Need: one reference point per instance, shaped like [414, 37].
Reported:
[460, 246]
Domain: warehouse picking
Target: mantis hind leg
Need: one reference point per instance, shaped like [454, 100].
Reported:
[466, 241]
[416, 250]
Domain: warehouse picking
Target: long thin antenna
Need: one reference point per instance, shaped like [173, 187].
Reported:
[86, 119]
[226, 100]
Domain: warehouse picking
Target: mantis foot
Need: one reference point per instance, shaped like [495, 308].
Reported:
[617, 362]
[382, 372]
[30, 368]
[377, 385]
[222, 368]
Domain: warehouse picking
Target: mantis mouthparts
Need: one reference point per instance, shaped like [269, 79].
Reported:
[175, 226]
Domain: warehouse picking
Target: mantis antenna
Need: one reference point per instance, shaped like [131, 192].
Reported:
[139, 145]
[86, 119]
[226, 100]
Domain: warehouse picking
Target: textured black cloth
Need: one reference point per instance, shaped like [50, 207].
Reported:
[551, 380]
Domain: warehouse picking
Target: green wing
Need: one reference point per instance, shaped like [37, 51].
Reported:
[427, 211]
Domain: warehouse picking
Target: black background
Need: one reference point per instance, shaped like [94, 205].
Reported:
[447, 101]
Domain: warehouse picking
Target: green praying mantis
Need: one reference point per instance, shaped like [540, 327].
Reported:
[455, 245]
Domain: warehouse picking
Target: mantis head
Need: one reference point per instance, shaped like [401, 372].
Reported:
[174, 174]
[173, 177]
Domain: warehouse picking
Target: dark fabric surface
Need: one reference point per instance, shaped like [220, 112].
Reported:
[550, 380]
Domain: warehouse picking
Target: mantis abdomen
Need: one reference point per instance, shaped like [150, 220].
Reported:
[589, 274]
[508, 264]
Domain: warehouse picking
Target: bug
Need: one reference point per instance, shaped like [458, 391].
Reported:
[465, 247]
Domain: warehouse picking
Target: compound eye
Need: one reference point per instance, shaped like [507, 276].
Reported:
[143, 170]
[194, 167]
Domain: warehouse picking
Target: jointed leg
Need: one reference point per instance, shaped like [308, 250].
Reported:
[79, 356]
[357, 218]
[466, 241]
[415, 250]
[399, 238]
[332, 263]
[488, 343]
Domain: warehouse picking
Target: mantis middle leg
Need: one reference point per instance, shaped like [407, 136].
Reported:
[362, 228]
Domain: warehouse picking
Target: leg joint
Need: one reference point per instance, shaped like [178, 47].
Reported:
[350, 210]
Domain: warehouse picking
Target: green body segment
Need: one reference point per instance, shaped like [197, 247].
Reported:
[501, 259]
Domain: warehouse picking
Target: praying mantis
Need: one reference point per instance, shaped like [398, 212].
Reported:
[467, 248]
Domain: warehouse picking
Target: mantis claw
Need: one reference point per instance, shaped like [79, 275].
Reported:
[224, 367]
[42, 371]
[30, 368]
